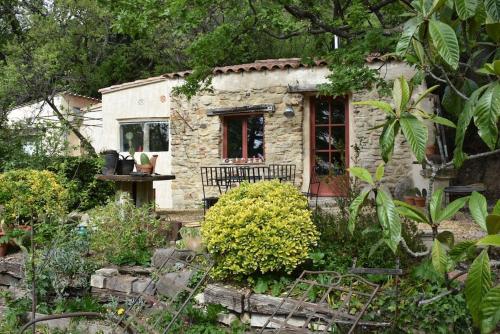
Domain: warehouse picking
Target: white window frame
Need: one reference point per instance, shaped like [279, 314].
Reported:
[145, 130]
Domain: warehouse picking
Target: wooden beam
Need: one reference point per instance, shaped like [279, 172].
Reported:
[269, 108]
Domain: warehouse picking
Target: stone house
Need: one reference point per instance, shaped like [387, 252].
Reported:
[266, 112]
[73, 106]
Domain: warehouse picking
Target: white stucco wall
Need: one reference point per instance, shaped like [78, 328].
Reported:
[140, 103]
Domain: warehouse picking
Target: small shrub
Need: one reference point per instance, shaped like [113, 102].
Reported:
[78, 174]
[123, 234]
[261, 227]
[31, 193]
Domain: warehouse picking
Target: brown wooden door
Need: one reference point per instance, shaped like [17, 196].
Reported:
[330, 144]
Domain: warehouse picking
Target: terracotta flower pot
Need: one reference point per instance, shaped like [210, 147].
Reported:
[409, 200]
[3, 247]
[420, 202]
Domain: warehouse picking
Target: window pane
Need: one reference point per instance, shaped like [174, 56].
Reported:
[234, 138]
[158, 136]
[322, 138]
[338, 163]
[338, 142]
[132, 136]
[338, 111]
[322, 163]
[255, 137]
[322, 112]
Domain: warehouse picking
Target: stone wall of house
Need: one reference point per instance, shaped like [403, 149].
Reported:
[363, 119]
[197, 138]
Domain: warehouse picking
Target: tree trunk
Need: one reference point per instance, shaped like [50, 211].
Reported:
[84, 142]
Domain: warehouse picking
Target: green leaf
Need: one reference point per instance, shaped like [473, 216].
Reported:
[466, 8]
[387, 138]
[354, 209]
[463, 123]
[416, 134]
[447, 238]
[425, 93]
[400, 94]
[490, 310]
[262, 286]
[411, 212]
[452, 208]
[361, 173]
[445, 41]
[443, 121]
[493, 223]
[419, 51]
[389, 220]
[496, 209]
[440, 260]
[435, 204]
[379, 173]
[486, 114]
[478, 209]
[490, 240]
[409, 29]
[478, 284]
[386, 107]
[376, 246]
[460, 251]
[493, 9]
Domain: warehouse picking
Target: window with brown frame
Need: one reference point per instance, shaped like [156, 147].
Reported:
[243, 136]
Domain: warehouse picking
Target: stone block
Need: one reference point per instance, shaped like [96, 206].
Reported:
[120, 283]
[227, 318]
[172, 255]
[259, 320]
[98, 281]
[9, 280]
[228, 297]
[170, 284]
[144, 285]
[107, 272]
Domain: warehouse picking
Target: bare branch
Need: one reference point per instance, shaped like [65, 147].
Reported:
[412, 253]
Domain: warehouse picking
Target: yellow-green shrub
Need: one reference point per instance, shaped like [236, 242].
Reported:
[31, 193]
[259, 227]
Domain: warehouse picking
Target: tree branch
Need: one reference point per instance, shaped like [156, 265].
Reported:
[412, 253]
[316, 21]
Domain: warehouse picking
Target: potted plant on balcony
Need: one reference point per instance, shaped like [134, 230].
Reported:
[147, 164]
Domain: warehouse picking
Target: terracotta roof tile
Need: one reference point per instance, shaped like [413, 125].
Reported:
[257, 66]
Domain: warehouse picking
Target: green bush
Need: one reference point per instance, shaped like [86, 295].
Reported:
[261, 227]
[31, 193]
[122, 234]
[78, 174]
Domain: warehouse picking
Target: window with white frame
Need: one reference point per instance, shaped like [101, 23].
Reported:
[147, 136]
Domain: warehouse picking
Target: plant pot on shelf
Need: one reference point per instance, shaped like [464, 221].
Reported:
[420, 201]
[147, 169]
[110, 162]
[125, 166]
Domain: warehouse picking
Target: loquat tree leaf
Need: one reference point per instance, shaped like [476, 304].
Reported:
[389, 219]
[445, 41]
[362, 174]
[486, 115]
[416, 134]
[387, 139]
[478, 209]
[478, 284]
[493, 223]
[354, 209]
[452, 208]
[409, 30]
[493, 9]
[379, 173]
[466, 8]
[386, 107]
[490, 240]
[440, 260]
[490, 310]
